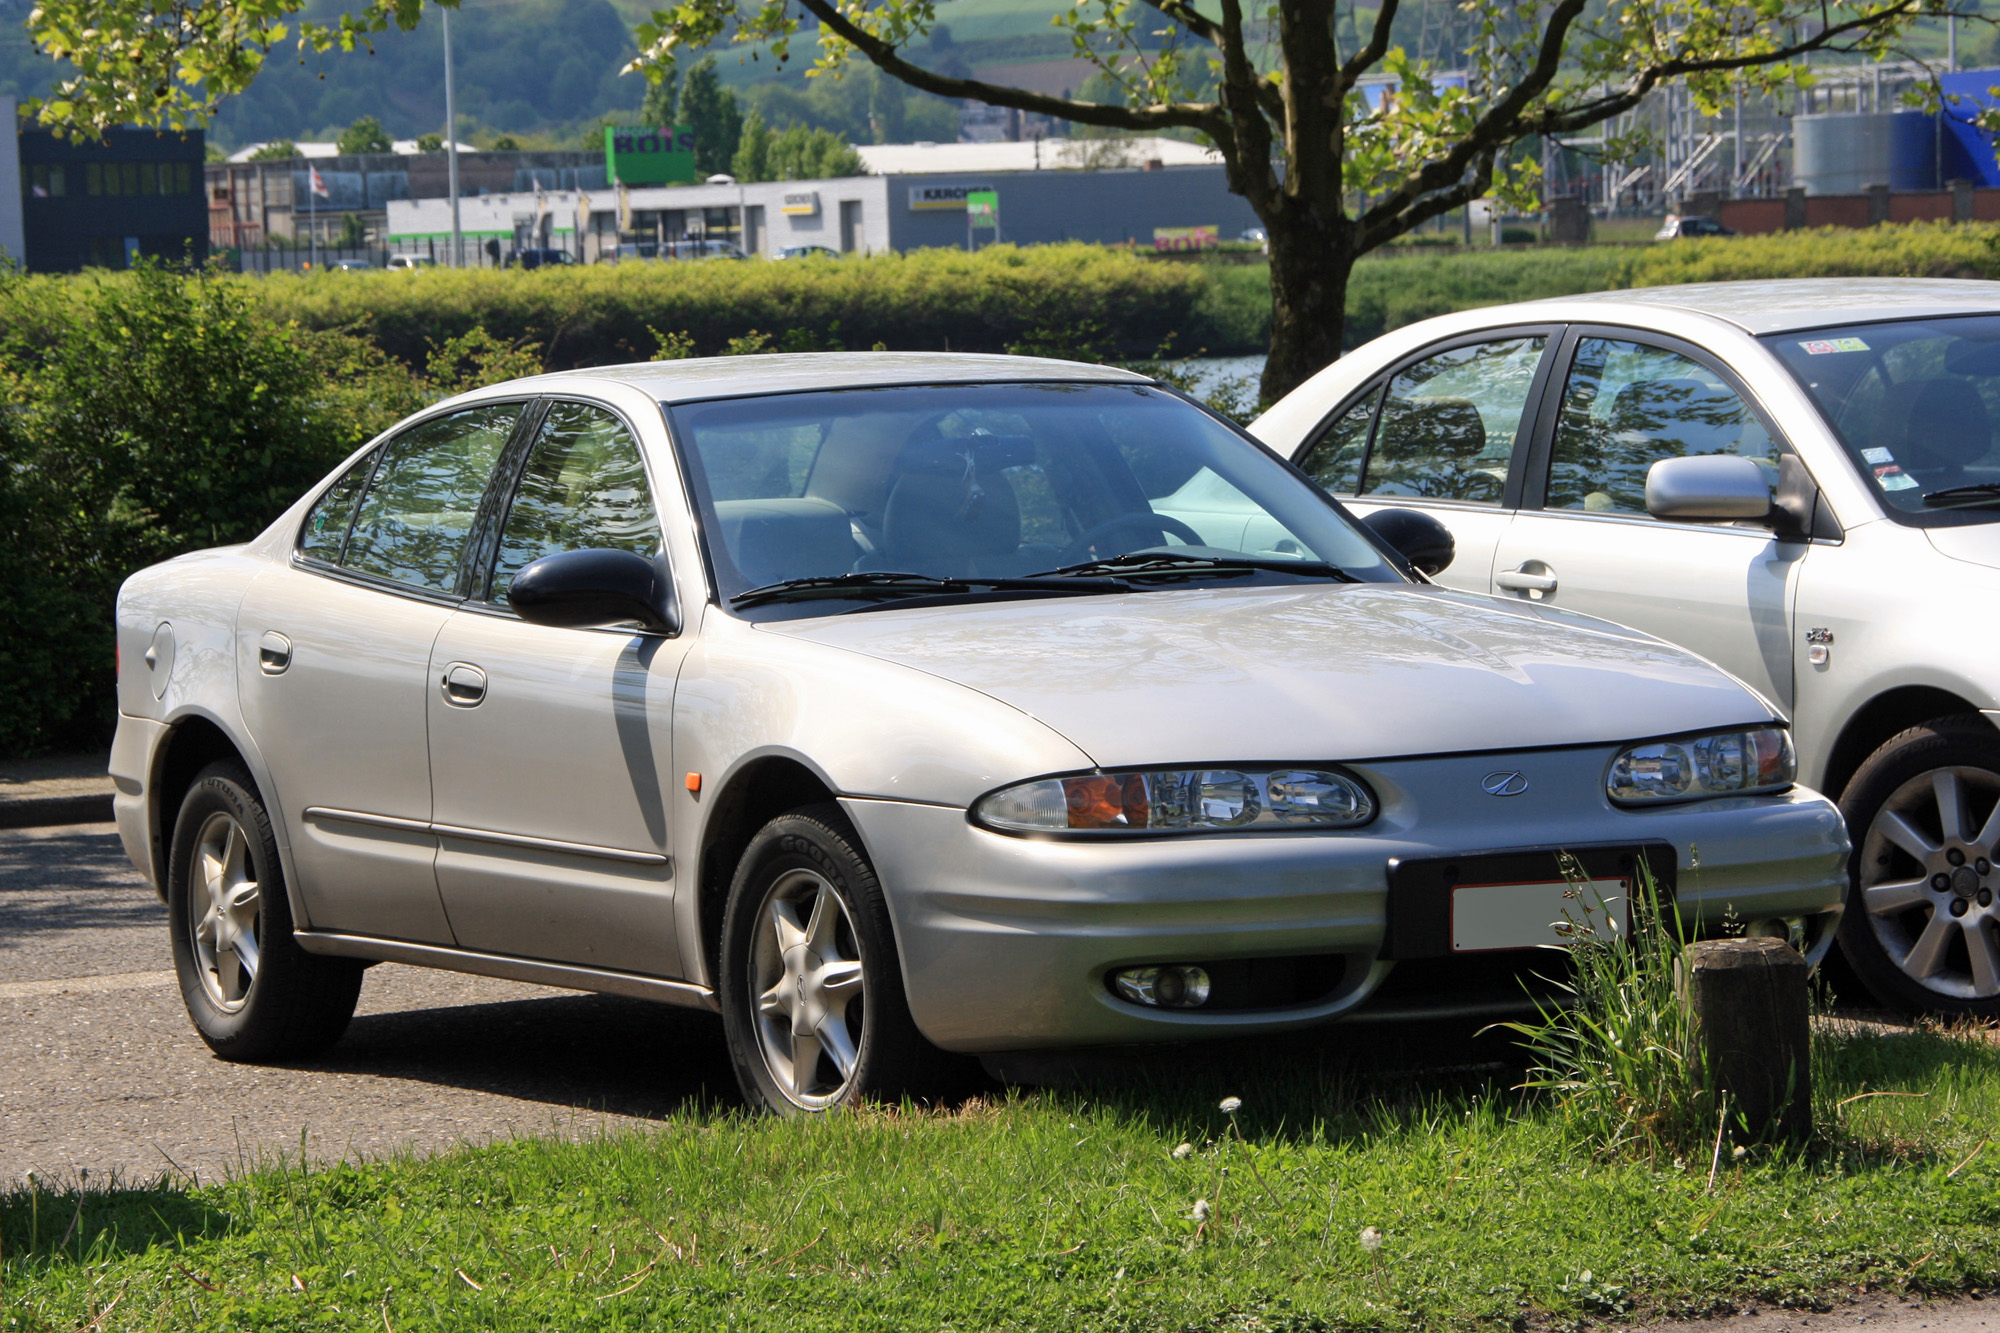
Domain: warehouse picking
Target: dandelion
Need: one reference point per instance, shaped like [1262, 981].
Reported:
[1371, 1239]
[1201, 1210]
[1183, 1152]
[1231, 1105]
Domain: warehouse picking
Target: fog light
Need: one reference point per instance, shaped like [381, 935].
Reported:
[1790, 929]
[1174, 986]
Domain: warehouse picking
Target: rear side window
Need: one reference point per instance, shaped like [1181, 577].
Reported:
[413, 522]
[325, 530]
[1448, 423]
[584, 488]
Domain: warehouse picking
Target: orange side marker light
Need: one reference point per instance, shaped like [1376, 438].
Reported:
[694, 784]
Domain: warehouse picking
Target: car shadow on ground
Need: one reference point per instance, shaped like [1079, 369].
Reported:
[597, 1053]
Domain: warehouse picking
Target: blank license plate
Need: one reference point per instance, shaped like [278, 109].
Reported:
[1521, 916]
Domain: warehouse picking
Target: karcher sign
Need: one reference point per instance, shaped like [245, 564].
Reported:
[802, 205]
[943, 198]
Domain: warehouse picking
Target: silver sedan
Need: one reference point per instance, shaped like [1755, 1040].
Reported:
[891, 704]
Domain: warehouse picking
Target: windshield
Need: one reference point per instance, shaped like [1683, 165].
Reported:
[995, 482]
[1914, 402]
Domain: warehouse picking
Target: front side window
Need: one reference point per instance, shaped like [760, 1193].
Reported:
[412, 525]
[1334, 461]
[583, 488]
[1628, 405]
[1448, 424]
[1914, 403]
[991, 481]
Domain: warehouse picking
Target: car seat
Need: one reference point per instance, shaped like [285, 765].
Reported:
[1431, 447]
[1937, 427]
[950, 513]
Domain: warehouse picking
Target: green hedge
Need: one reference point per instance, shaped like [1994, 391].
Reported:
[602, 314]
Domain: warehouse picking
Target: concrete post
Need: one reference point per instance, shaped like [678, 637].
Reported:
[1749, 998]
[1961, 200]
[1878, 204]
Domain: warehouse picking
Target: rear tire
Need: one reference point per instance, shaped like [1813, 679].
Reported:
[1922, 927]
[252, 992]
[812, 992]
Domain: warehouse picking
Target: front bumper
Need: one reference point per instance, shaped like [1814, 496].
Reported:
[1006, 941]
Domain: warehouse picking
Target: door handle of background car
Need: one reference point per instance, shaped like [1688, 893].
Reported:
[464, 685]
[1514, 580]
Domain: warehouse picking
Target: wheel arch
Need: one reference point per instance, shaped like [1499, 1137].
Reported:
[1883, 716]
[751, 797]
[193, 742]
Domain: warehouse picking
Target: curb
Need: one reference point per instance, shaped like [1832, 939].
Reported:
[47, 811]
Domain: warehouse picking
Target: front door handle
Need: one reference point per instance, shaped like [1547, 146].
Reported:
[274, 653]
[464, 685]
[1520, 580]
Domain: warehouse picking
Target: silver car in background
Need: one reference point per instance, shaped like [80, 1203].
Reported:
[891, 704]
[1799, 480]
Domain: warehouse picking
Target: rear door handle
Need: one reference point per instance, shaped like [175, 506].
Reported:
[464, 685]
[1514, 580]
[274, 653]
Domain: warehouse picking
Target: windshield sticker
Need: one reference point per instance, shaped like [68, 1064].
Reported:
[1822, 346]
[1877, 456]
[1889, 474]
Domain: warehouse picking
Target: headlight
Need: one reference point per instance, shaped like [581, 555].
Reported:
[1729, 763]
[1199, 800]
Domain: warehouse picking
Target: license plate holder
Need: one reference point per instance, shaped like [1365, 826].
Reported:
[1498, 901]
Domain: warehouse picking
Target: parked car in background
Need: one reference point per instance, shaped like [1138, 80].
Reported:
[411, 261]
[1798, 480]
[540, 258]
[685, 249]
[1675, 228]
[805, 252]
[350, 265]
[888, 703]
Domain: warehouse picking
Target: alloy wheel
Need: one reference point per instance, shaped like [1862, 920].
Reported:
[1928, 881]
[228, 934]
[807, 989]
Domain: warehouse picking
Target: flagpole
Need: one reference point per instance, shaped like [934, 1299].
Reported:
[451, 144]
[312, 210]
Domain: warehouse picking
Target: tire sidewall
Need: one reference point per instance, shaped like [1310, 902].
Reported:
[1950, 743]
[815, 841]
[225, 790]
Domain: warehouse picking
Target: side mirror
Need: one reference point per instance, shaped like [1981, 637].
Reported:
[1708, 486]
[1420, 539]
[587, 589]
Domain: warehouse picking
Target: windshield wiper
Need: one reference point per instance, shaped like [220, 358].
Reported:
[1170, 565]
[889, 583]
[1965, 497]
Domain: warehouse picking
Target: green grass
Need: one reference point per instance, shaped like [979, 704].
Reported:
[1062, 1211]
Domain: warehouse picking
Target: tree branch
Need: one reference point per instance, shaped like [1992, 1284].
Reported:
[1378, 46]
[1185, 15]
[1207, 117]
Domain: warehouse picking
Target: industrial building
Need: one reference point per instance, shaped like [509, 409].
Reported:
[81, 204]
[895, 210]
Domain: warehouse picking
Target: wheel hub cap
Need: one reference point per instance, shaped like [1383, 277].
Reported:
[807, 989]
[226, 904]
[1928, 881]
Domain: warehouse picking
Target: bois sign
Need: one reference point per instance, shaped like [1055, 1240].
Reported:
[636, 155]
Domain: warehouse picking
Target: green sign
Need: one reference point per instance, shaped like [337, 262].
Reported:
[982, 208]
[635, 155]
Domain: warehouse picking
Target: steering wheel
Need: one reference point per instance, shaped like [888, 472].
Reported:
[1148, 522]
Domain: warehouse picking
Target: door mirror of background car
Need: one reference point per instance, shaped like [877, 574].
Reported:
[1420, 539]
[1708, 486]
[588, 589]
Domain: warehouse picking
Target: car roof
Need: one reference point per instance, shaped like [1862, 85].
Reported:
[1786, 304]
[792, 372]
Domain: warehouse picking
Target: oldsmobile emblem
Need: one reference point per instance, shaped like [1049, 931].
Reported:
[1504, 784]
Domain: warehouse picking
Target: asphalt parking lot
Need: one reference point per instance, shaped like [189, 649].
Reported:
[100, 1070]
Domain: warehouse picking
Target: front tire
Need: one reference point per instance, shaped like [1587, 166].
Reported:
[251, 991]
[1922, 927]
[812, 994]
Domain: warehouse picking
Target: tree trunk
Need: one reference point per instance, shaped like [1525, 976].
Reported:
[1310, 264]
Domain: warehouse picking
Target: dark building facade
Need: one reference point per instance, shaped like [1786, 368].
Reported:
[101, 205]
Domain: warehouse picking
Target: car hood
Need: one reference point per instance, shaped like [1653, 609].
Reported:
[1975, 543]
[1344, 671]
